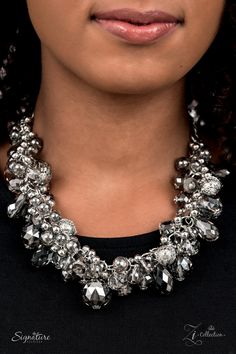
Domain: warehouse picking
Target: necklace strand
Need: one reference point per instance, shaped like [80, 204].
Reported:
[55, 239]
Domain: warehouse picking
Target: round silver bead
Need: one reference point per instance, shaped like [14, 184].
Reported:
[120, 264]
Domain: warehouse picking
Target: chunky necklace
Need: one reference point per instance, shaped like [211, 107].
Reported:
[55, 239]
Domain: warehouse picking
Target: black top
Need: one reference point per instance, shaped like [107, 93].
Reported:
[198, 317]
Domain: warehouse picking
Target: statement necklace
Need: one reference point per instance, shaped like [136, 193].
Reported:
[55, 239]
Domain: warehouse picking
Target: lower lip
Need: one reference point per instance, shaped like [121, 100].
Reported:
[137, 34]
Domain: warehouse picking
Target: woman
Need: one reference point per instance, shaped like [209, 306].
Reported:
[116, 96]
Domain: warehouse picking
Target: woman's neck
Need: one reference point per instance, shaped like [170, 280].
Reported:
[112, 155]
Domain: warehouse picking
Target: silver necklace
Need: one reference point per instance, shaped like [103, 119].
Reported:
[55, 239]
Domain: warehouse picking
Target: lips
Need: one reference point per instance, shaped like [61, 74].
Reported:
[136, 17]
[134, 26]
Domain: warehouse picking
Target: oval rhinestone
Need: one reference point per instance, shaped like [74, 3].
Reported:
[163, 280]
[96, 294]
[184, 265]
[165, 254]
[67, 227]
[208, 231]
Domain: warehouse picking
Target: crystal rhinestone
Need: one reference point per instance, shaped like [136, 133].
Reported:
[167, 228]
[210, 185]
[184, 265]
[134, 276]
[190, 185]
[181, 199]
[163, 280]
[79, 267]
[117, 281]
[15, 184]
[30, 236]
[96, 294]
[67, 227]
[165, 255]
[189, 247]
[208, 231]
[120, 264]
[178, 182]
[146, 281]
[40, 257]
[124, 290]
[210, 207]
[15, 209]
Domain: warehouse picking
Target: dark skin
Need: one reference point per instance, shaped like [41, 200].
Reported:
[115, 113]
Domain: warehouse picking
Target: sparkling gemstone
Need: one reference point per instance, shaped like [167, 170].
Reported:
[165, 255]
[189, 247]
[181, 199]
[41, 174]
[208, 231]
[184, 264]
[125, 290]
[79, 267]
[117, 281]
[120, 264]
[210, 185]
[135, 275]
[30, 236]
[210, 207]
[96, 294]
[146, 281]
[167, 228]
[178, 182]
[40, 257]
[15, 209]
[190, 185]
[163, 280]
[67, 227]
[15, 184]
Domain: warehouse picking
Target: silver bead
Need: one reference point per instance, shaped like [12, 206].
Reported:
[120, 264]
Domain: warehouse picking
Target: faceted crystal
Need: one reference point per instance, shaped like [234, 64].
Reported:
[146, 281]
[189, 247]
[14, 210]
[96, 294]
[117, 281]
[208, 230]
[167, 228]
[163, 280]
[165, 255]
[40, 257]
[30, 236]
[15, 184]
[135, 275]
[67, 227]
[183, 266]
[210, 207]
